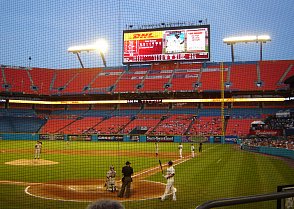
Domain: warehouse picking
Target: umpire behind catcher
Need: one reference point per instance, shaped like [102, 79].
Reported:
[127, 171]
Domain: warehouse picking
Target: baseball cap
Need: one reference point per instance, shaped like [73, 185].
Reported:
[128, 163]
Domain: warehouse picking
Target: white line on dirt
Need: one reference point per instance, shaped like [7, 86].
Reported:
[48, 198]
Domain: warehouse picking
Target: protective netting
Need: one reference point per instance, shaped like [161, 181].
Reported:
[196, 119]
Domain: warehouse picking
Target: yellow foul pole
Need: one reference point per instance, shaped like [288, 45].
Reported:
[222, 102]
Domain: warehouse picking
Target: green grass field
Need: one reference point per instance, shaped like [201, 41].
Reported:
[219, 171]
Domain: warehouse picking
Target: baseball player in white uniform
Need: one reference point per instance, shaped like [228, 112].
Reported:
[38, 148]
[180, 147]
[110, 179]
[192, 150]
[169, 189]
[175, 43]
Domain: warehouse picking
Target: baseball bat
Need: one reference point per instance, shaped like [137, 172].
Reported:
[160, 166]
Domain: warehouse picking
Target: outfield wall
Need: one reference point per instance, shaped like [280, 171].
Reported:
[139, 138]
[270, 151]
[90, 137]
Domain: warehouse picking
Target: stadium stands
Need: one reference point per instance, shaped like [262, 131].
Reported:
[173, 125]
[42, 79]
[81, 83]
[206, 126]
[273, 73]
[17, 80]
[238, 127]
[113, 125]
[244, 77]
[184, 80]
[240, 76]
[55, 125]
[143, 121]
[157, 118]
[61, 79]
[210, 78]
[105, 81]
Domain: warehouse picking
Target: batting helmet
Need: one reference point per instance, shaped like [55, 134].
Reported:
[170, 162]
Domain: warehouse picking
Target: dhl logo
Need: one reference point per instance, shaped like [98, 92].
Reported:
[143, 35]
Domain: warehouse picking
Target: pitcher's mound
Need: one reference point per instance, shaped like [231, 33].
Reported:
[31, 162]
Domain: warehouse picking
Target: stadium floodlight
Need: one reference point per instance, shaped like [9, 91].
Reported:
[100, 46]
[245, 39]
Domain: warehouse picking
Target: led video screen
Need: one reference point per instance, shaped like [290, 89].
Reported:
[167, 44]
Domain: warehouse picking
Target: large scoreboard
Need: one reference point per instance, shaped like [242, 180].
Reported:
[189, 43]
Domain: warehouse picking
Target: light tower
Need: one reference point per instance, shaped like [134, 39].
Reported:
[100, 46]
[245, 39]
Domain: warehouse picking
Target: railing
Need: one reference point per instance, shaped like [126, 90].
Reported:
[245, 199]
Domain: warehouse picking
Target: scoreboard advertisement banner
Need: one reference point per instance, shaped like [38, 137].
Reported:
[159, 138]
[167, 44]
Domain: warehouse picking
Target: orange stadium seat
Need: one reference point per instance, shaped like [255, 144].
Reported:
[80, 83]
[18, 80]
[42, 79]
[244, 77]
[173, 125]
[272, 71]
[210, 78]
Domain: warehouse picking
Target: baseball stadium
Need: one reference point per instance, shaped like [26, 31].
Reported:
[149, 104]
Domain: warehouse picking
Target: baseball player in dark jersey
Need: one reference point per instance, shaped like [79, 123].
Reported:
[200, 147]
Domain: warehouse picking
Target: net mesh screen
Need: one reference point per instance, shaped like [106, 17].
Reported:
[149, 122]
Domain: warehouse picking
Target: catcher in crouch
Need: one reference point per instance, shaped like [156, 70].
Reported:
[110, 179]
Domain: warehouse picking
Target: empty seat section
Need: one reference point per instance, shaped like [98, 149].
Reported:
[238, 127]
[98, 113]
[18, 80]
[211, 78]
[209, 112]
[272, 71]
[113, 125]
[82, 126]
[42, 79]
[2, 88]
[148, 122]
[62, 77]
[128, 83]
[20, 121]
[183, 82]
[126, 112]
[244, 77]
[54, 125]
[105, 81]
[245, 113]
[84, 78]
[155, 81]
